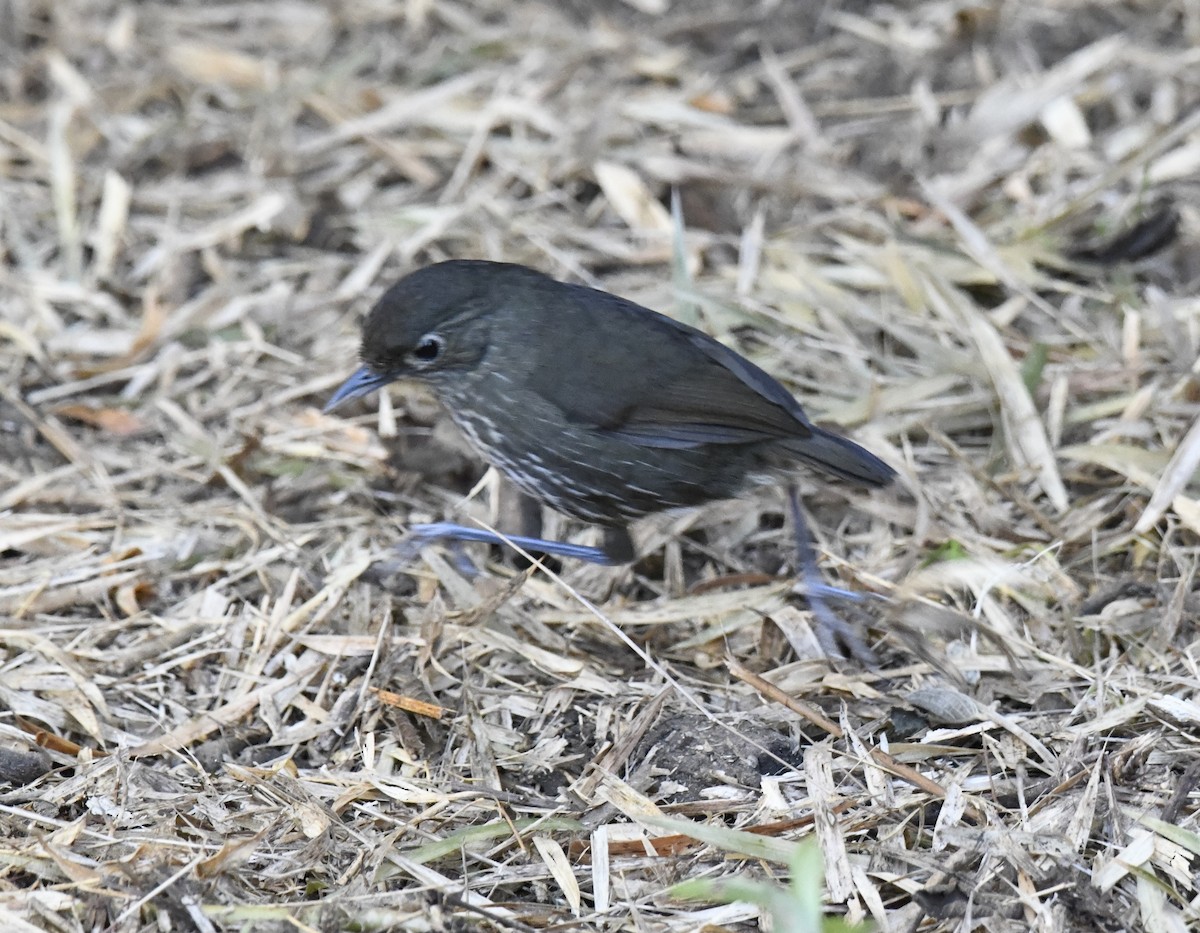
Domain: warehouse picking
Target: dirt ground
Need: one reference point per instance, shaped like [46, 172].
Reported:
[964, 233]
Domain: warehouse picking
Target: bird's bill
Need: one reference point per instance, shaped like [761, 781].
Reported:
[364, 381]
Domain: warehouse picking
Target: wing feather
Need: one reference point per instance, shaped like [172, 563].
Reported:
[675, 387]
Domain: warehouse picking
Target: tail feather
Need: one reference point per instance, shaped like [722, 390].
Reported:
[840, 456]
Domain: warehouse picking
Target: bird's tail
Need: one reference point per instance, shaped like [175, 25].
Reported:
[840, 456]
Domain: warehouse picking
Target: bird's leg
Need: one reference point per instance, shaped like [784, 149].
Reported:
[614, 551]
[831, 628]
[516, 510]
[618, 545]
[813, 584]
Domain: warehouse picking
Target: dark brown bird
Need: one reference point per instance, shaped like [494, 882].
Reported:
[592, 404]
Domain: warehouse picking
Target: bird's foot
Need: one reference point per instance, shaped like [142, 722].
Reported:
[820, 590]
[837, 637]
[408, 550]
[834, 633]
[449, 531]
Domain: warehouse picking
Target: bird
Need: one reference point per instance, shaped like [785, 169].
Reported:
[590, 403]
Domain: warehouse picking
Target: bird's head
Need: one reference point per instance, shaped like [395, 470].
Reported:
[431, 324]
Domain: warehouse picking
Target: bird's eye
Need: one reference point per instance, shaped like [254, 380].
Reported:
[428, 348]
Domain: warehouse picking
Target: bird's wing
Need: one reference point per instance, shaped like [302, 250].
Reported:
[655, 382]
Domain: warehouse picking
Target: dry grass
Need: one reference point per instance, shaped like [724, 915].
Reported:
[251, 715]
